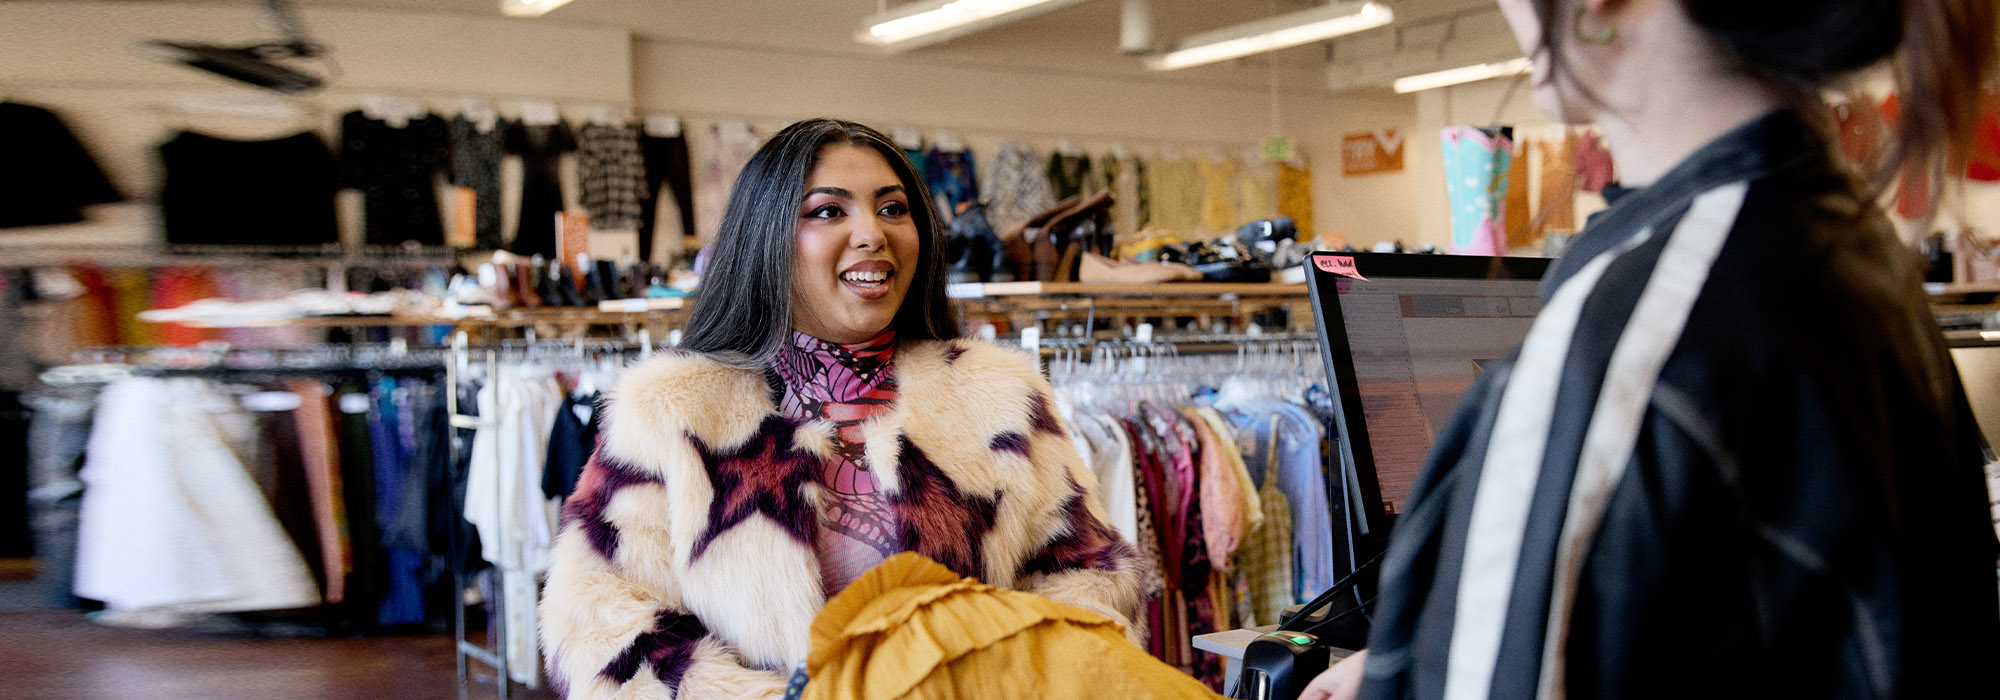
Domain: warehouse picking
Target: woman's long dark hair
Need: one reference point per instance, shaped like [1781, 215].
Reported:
[1944, 55]
[743, 313]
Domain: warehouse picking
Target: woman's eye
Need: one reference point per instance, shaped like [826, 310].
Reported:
[895, 209]
[824, 212]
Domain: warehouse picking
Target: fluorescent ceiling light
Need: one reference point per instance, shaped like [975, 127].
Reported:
[927, 22]
[1467, 74]
[1281, 32]
[529, 8]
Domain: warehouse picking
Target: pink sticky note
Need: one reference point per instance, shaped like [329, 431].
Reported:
[1338, 264]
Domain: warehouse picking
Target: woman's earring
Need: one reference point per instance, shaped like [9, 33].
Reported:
[1610, 33]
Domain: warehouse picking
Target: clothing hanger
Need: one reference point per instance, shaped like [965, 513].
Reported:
[540, 114]
[606, 116]
[663, 126]
[480, 113]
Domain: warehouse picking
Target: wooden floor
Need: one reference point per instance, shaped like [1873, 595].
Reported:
[59, 655]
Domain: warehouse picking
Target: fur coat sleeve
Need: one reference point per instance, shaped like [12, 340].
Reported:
[685, 566]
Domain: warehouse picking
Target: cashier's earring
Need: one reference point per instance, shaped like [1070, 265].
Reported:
[1603, 38]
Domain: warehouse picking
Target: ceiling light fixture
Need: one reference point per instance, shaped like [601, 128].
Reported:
[1466, 74]
[916, 24]
[1281, 32]
[529, 8]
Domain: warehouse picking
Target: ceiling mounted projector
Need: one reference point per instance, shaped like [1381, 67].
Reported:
[257, 64]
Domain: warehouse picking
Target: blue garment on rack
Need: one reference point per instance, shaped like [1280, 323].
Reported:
[952, 180]
[392, 441]
[1298, 460]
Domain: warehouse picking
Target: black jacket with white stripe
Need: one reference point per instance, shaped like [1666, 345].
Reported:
[1732, 459]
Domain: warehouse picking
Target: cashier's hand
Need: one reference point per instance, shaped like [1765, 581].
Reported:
[1342, 682]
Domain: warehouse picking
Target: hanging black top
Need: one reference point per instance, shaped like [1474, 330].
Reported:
[475, 163]
[46, 176]
[1731, 460]
[250, 193]
[395, 169]
[540, 147]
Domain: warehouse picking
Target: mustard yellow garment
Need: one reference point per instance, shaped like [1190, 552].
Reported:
[1295, 197]
[134, 294]
[1218, 203]
[910, 628]
[1176, 195]
[1256, 198]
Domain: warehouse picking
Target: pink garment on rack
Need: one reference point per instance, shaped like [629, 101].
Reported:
[846, 384]
[1224, 524]
[1594, 166]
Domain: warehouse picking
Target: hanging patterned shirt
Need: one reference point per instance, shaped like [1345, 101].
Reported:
[613, 174]
[845, 384]
[1018, 188]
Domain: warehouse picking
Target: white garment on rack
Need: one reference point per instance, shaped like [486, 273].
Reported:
[1111, 460]
[171, 520]
[504, 499]
[1107, 451]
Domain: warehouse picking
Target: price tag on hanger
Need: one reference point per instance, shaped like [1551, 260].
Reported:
[354, 404]
[271, 401]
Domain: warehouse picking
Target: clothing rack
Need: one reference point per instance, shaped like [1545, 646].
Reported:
[106, 364]
[460, 362]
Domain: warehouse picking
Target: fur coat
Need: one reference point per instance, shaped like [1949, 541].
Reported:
[685, 565]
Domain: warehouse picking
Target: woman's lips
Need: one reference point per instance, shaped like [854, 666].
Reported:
[869, 291]
[869, 279]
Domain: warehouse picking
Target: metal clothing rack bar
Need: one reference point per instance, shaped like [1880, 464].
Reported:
[462, 648]
[460, 363]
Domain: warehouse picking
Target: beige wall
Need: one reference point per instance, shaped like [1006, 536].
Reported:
[83, 60]
[984, 105]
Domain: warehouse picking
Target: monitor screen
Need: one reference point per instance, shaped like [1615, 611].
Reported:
[1403, 337]
[1977, 354]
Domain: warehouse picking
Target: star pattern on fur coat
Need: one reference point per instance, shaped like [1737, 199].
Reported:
[668, 649]
[949, 526]
[1085, 542]
[767, 475]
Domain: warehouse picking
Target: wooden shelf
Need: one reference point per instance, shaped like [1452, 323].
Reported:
[510, 317]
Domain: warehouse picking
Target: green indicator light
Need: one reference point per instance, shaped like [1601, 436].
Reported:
[1302, 640]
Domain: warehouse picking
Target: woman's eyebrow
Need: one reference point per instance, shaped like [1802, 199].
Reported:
[835, 191]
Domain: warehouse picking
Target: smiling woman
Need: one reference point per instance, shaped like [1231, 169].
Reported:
[821, 417]
[821, 197]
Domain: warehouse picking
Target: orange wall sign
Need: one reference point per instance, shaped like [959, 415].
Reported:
[1366, 152]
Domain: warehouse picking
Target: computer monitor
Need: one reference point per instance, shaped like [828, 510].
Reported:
[1403, 336]
[1977, 354]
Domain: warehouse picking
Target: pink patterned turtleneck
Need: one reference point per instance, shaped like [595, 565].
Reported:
[845, 384]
